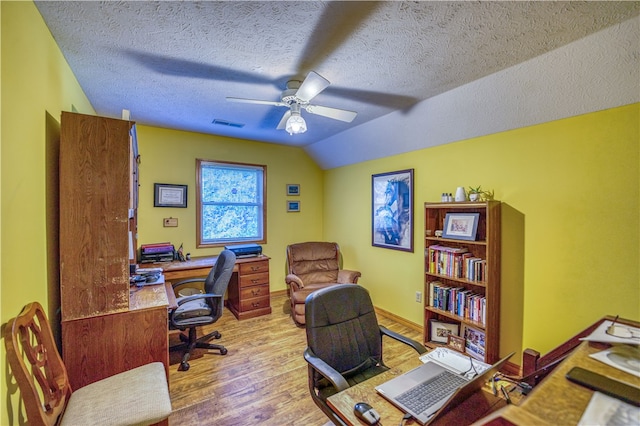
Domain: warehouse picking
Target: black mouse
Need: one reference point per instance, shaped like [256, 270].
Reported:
[366, 413]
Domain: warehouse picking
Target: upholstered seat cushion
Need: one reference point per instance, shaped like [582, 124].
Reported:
[301, 295]
[144, 401]
[193, 309]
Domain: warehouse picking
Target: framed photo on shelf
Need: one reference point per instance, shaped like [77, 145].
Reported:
[456, 343]
[461, 226]
[474, 342]
[293, 206]
[167, 195]
[440, 331]
[293, 189]
[392, 210]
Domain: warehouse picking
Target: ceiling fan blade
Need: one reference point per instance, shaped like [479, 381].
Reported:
[256, 101]
[311, 86]
[283, 121]
[335, 113]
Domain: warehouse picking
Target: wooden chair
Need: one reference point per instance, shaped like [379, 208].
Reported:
[135, 397]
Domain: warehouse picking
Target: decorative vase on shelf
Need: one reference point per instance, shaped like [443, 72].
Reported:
[460, 194]
[474, 196]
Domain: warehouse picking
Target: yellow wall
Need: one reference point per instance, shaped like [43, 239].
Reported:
[570, 228]
[37, 84]
[169, 156]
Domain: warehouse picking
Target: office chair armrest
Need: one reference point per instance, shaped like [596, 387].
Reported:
[404, 339]
[294, 281]
[330, 373]
[185, 299]
[192, 280]
[346, 276]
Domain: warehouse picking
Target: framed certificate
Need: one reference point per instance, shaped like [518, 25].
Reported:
[166, 195]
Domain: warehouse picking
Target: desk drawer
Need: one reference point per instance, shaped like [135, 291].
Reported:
[254, 267]
[254, 279]
[254, 291]
[254, 303]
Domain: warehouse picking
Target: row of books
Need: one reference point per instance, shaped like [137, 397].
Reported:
[458, 301]
[456, 262]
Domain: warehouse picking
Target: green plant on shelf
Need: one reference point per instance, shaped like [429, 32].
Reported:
[478, 194]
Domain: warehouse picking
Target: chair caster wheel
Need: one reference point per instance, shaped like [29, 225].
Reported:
[223, 351]
[184, 366]
[217, 336]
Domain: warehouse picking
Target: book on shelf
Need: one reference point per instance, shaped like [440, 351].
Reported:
[458, 301]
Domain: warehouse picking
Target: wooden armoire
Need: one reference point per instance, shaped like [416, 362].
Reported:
[106, 327]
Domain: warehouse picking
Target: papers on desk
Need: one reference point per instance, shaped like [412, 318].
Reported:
[454, 361]
[605, 410]
[143, 271]
[600, 334]
[622, 357]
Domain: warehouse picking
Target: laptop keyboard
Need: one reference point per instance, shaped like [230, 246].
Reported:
[421, 397]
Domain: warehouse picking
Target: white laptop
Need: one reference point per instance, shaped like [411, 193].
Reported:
[422, 393]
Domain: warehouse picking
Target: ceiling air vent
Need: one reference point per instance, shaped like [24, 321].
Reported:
[227, 123]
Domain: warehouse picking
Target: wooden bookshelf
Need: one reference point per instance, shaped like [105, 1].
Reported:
[462, 277]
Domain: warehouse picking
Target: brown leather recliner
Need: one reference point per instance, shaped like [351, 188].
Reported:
[312, 266]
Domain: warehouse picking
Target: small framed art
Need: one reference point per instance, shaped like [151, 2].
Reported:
[474, 342]
[440, 331]
[293, 206]
[293, 189]
[167, 195]
[456, 343]
[461, 226]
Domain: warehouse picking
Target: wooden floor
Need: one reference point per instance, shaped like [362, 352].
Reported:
[263, 378]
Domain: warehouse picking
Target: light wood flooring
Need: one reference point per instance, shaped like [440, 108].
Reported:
[263, 378]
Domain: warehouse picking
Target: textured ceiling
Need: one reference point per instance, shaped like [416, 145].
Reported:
[173, 63]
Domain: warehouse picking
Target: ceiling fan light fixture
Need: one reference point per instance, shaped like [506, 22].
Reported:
[296, 124]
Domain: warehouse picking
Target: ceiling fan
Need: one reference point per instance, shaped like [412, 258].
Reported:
[296, 97]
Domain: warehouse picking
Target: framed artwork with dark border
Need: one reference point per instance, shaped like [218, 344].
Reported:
[461, 226]
[293, 206]
[392, 210]
[168, 195]
[440, 330]
[293, 189]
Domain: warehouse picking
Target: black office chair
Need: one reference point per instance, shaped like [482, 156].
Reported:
[344, 342]
[202, 308]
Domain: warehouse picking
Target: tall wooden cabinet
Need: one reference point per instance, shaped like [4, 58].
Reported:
[462, 275]
[103, 332]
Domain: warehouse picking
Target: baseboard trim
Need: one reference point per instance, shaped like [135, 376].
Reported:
[396, 318]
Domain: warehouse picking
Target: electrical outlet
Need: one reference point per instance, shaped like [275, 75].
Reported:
[418, 296]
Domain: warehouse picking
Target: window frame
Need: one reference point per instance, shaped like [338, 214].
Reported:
[199, 227]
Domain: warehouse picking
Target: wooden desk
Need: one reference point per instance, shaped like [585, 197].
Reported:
[556, 400]
[475, 407]
[248, 294]
[108, 344]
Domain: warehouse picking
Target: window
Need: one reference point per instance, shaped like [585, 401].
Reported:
[231, 203]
